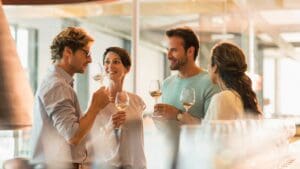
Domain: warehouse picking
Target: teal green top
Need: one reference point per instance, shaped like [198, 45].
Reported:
[204, 90]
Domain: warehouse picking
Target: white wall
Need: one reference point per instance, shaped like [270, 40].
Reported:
[150, 66]
[47, 29]
[289, 84]
[269, 85]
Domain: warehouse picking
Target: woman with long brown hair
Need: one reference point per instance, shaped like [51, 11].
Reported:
[237, 99]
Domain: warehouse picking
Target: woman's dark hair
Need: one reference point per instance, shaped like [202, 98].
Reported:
[122, 53]
[231, 66]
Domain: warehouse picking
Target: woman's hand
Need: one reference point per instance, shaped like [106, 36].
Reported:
[118, 118]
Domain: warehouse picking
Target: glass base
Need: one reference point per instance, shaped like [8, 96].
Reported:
[157, 116]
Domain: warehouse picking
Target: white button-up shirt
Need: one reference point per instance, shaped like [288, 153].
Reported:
[56, 120]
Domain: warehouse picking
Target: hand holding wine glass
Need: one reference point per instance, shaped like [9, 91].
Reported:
[122, 100]
[187, 98]
[155, 92]
[121, 103]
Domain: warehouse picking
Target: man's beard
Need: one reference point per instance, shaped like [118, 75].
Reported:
[180, 63]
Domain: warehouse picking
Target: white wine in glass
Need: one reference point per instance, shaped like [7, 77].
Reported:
[187, 98]
[98, 77]
[100, 73]
[155, 94]
[121, 106]
[155, 90]
[121, 101]
[187, 105]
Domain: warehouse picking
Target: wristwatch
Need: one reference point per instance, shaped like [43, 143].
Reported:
[179, 115]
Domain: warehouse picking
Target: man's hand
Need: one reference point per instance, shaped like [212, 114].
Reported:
[166, 111]
[118, 118]
[99, 99]
[189, 119]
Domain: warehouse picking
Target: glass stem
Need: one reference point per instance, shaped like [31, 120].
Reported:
[155, 102]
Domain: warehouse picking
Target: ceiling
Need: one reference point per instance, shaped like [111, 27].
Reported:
[43, 2]
[270, 18]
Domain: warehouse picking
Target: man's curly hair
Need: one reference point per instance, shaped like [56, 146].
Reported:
[72, 37]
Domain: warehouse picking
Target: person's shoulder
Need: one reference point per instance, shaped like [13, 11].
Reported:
[170, 78]
[204, 77]
[169, 81]
[52, 83]
[134, 97]
[225, 95]
[136, 101]
[221, 98]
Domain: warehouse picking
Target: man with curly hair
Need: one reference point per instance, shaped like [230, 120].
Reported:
[60, 128]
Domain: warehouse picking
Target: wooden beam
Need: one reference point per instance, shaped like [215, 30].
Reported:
[44, 2]
[262, 25]
[159, 8]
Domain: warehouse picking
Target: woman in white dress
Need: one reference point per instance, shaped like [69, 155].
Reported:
[129, 145]
[236, 100]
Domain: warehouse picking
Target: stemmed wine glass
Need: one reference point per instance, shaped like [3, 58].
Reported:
[100, 73]
[122, 100]
[155, 92]
[187, 98]
[121, 103]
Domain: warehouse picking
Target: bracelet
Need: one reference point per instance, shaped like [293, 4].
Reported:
[179, 115]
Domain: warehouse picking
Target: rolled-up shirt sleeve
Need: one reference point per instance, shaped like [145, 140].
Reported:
[59, 102]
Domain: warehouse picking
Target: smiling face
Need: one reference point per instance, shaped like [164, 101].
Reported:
[176, 53]
[114, 67]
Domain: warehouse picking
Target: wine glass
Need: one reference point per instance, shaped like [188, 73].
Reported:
[122, 100]
[100, 73]
[155, 92]
[121, 103]
[187, 98]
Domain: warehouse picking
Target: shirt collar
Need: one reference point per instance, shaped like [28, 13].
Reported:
[69, 79]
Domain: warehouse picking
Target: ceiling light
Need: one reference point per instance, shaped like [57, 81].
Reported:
[291, 36]
[218, 20]
[281, 17]
[265, 37]
[222, 36]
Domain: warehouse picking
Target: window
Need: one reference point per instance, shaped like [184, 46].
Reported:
[16, 143]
